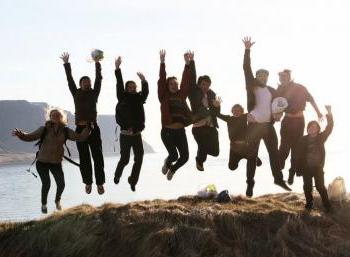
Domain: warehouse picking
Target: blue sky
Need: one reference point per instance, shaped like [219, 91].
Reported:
[309, 37]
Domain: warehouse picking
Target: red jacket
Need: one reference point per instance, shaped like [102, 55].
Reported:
[164, 94]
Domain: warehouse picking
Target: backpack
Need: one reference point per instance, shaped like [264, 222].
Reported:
[336, 190]
[223, 197]
[41, 140]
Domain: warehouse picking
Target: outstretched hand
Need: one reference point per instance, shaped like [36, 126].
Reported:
[65, 57]
[217, 102]
[141, 76]
[248, 42]
[118, 61]
[320, 117]
[17, 132]
[162, 54]
[329, 109]
[188, 56]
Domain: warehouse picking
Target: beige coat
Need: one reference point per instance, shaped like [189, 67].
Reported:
[51, 150]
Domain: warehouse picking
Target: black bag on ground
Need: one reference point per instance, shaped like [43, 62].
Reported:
[223, 197]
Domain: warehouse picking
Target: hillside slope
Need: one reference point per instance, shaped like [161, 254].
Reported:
[271, 225]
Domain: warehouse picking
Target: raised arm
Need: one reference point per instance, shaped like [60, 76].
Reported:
[248, 73]
[119, 77]
[71, 84]
[216, 105]
[311, 100]
[162, 77]
[35, 135]
[98, 78]
[330, 124]
[144, 84]
[185, 86]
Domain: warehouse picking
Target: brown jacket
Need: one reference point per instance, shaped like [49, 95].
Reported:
[51, 150]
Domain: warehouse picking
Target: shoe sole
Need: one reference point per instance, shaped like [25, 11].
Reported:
[285, 187]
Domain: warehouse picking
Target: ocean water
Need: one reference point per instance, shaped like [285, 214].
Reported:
[20, 191]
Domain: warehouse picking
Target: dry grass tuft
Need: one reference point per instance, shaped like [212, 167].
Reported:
[270, 225]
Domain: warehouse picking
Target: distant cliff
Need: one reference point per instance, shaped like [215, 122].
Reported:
[29, 116]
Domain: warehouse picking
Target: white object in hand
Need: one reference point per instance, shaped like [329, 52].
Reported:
[279, 104]
[97, 54]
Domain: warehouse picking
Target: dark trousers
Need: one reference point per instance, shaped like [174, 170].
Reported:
[208, 142]
[95, 144]
[292, 129]
[234, 159]
[238, 151]
[126, 143]
[57, 172]
[256, 133]
[318, 175]
[175, 142]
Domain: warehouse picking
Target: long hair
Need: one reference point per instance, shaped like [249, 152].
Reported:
[63, 114]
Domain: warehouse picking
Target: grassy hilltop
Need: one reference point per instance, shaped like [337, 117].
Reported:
[270, 225]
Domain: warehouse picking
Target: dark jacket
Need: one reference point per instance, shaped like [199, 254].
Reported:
[199, 111]
[297, 95]
[302, 145]
[237, 126]
[180, 96]
[129, 111]
[85, 101]
[251, 82]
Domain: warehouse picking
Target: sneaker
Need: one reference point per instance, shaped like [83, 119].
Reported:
[132, 185]
[100, 189]
[290, 179]
[44, 208]
[282, 184]
[249, 192]
[58, 205]
[116, 180]
[165, 167]
[258, 162]
[88, 189]
[199, 165]
[170, 175]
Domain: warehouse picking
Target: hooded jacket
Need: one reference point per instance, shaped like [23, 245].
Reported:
[165, 96]
[129, 111]
[199, 111]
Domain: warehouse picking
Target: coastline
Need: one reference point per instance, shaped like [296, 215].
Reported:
[28, 158]
[16, 158]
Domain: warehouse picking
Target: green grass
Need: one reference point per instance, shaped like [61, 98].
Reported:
[271, 225]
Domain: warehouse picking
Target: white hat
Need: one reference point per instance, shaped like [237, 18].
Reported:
[97, 54]
[279, 104]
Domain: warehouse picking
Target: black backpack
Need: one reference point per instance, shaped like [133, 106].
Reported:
[223, 197]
